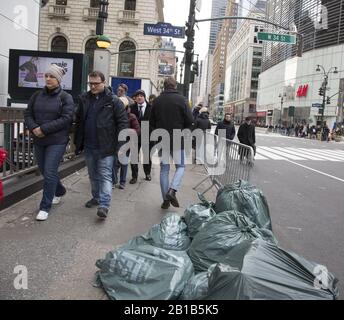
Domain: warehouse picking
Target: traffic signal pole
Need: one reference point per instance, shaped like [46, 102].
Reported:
[189, 46]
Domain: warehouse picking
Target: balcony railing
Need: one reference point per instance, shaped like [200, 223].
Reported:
[90, 14]
[128, 16]
[59, 11]
[18, 143]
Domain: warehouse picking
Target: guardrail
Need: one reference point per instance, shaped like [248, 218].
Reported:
[226, 161]
[18, 143]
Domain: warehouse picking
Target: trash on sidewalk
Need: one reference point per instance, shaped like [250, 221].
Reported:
[260, 270]
[215, 241]
[170, 234]
[247, 199]
[197, 215]
[144, 273]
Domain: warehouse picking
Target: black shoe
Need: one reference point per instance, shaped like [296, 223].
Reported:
[133, 181]
[148, 177]
[165, 204]
[121, 186]
[171, 196]
[102, 213]
[91, 203]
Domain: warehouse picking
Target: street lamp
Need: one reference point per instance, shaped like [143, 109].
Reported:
[322, 90]
[282, 96]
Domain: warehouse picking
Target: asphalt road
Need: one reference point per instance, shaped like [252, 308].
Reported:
[305, 196]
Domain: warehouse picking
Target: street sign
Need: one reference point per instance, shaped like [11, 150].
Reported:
[286, 38]
[316, 105]
[164, 30]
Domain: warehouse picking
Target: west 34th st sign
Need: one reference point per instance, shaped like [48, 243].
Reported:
[164, 30]
[286, 38]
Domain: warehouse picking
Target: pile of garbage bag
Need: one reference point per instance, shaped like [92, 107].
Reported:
[214, 242]
[225, 250]
[261, 270]
[246, 199]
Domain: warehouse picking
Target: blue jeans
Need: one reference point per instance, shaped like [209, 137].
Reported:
[48, 160]
[178, 175]
[123, 171]
[100, 173]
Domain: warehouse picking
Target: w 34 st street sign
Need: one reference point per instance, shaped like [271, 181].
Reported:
[286, 38]
[164, 30]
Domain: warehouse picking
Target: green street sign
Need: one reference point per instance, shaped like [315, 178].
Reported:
[286, 38]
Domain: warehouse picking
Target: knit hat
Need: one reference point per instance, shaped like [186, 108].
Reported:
[139, 92]
[56, 71]
[203, 109]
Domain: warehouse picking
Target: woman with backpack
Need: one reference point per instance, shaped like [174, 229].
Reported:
[49, 117]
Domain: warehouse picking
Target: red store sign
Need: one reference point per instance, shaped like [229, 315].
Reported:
[302, 91]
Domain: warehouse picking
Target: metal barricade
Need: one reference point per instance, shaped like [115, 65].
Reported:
[226, 161]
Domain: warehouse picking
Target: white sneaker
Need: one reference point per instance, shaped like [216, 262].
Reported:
[56, 200]
[42, 215]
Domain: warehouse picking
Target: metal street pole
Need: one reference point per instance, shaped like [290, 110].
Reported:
[281, 112]
[189, 46]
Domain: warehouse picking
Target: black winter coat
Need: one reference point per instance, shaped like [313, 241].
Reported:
[52, 111]
[247, 134]
[228, 126]
[202, 122]
[111, 119]
[171, 111]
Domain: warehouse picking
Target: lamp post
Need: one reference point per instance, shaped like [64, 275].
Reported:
[282, 96]
[322, 90]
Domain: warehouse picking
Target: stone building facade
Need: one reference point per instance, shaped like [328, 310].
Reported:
[70, 26]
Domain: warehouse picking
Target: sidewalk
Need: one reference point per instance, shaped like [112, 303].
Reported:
[60, 253]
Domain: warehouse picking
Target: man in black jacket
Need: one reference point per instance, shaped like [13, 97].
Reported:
[142, 110]
[228, 125]
[99, 120]
[247, 135]
[171, 111]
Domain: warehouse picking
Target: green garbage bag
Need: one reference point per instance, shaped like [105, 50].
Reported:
[197, 215]
[170, 234]
[247, 199]
[260, 270]
[144, 273]
[215, 241]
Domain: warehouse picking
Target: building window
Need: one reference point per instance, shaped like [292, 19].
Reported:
[257, 62]
[90, 46]
[126, 60]
[61, 2]
[95, 4]
[59, 44]
[130, 5]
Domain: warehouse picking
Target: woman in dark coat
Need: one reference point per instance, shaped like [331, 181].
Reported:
[49, 118]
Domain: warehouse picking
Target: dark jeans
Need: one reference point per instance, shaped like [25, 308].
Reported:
[48, 160]
[146, 167]
[123, 171]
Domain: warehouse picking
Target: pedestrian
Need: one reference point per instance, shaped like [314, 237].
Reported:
[202, 122]
[122, 91]
[123, 166]
[195, 111]
[247, 136]
[3, 155]
[151, 99]
[142, 110]
[49, 117]
[99, 120]
[171, 111]
[228, 125]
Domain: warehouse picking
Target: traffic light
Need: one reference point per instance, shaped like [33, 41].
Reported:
[321, 91]
[195, 67]
[328, 100]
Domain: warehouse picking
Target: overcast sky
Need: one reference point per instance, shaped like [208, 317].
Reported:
[176, 12]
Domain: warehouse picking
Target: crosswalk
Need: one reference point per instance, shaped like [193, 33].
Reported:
[299, 154]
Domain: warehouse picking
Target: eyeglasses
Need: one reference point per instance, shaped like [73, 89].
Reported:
[94, 84]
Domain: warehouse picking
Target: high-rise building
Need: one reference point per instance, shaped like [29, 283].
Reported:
[219, 61]
[295, 79]
[243, 65]
[218, 9]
